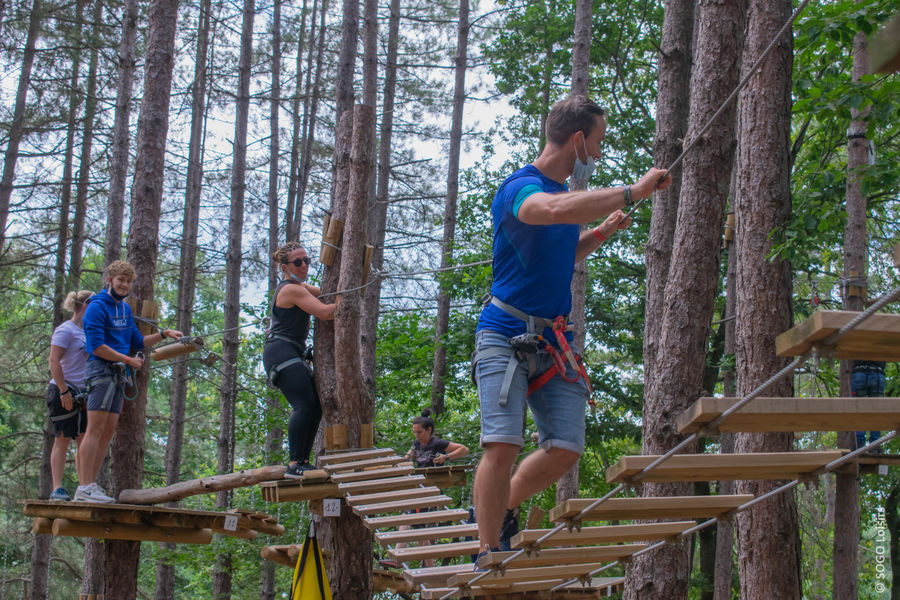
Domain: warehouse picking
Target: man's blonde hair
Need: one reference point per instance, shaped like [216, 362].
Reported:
[120, 267]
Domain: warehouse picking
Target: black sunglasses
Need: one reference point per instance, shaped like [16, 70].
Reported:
[299, 261]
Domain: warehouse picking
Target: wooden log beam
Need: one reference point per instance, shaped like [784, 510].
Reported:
[42, 525]
[205, 485]
[141, 533]
[282, 555]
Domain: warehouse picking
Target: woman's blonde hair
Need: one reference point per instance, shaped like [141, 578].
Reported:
[75, 300]
[280, 255]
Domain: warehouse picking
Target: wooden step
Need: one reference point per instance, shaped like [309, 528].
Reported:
[431, 576]
[434, 551]
[363, 464]
[402, 505]
[674, 507]
[561, 556]
[794, 414]
[381, 485]
[428, 534]
[606, 534]
[598, 586]
[560, 572]
[371, 474]
[723, 467]
[876, 338]
[344, 457]
[418, 492]
[434, 516]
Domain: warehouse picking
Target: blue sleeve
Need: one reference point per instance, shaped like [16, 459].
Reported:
[516, 189]
[94, 327]
[523, 193]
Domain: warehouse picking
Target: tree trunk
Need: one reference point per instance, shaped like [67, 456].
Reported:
[294, 172]
[439, 371]
[769, 548]
[17, 127]
[40, 552]
[65, 196]
[230, 339]
[846, 498]
[143, 250]
[673, 97]
[692, 281]
[378, 213]
[165, 570]
[118, 168]
[84, 164]
[274, 147]
[892, 522]
[725, 527]
[567, 486]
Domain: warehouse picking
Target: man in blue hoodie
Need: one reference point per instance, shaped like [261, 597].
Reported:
[110, 336]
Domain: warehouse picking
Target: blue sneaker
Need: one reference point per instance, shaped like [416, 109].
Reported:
[478, 569]
[60, 495]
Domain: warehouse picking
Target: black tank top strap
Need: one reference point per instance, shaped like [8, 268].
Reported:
[291, 323]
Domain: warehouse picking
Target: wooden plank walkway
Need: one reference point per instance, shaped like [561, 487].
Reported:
[876, 338]
[672, 507]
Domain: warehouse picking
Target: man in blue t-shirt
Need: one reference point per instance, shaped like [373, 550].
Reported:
[110, 336]
[537, 241]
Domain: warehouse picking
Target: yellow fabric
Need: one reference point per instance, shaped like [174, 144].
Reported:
[309, 572]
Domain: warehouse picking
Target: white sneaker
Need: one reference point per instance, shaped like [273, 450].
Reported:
[92, 493]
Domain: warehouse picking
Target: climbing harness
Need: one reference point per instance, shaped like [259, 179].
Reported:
[121, 377]
[305, 358]
[524, 348]
[79, 400]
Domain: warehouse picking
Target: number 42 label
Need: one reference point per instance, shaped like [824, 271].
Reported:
[331, 507]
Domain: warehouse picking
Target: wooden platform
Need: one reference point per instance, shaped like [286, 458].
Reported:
[145, 523]
[675, 507]
[434, 551]
[557, 572]
[876, 338]
[419, 492]
[536, 590]
[438, 501]
[606, 534]
[794, 414]
[723, 467]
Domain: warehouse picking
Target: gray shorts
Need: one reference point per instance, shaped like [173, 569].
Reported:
[558, 407]
[104, 390]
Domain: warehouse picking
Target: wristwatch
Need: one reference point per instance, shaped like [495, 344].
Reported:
[628, 200]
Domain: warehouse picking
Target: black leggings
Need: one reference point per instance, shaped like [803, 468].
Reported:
[299, 389]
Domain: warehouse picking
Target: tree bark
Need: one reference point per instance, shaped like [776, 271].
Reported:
[378, 212]
[143, 250]
[17, 127]
[442, 323]
[118, 168]
[692, 280]
[769, 548]
[233, 259]
[84, 164]
[846, 497]
[165, 571]
[673, 105]
[294, 172]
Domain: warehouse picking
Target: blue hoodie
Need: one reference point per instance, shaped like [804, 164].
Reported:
[108, 321]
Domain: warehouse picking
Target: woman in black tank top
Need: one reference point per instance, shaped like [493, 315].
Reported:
[294, 302]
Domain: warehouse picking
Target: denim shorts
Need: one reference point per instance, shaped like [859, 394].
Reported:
[100, 397]
[558, 407]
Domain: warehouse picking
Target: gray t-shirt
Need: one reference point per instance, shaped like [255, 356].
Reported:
[74, 360]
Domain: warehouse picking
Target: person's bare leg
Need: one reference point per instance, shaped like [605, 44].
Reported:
[100, 429]
[537, 472]
[58, 459]
[491, 490]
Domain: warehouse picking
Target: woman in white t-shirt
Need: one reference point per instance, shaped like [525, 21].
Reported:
[68, 359]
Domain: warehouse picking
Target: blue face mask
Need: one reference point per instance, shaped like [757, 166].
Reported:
[582, 171]
[294, 277]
